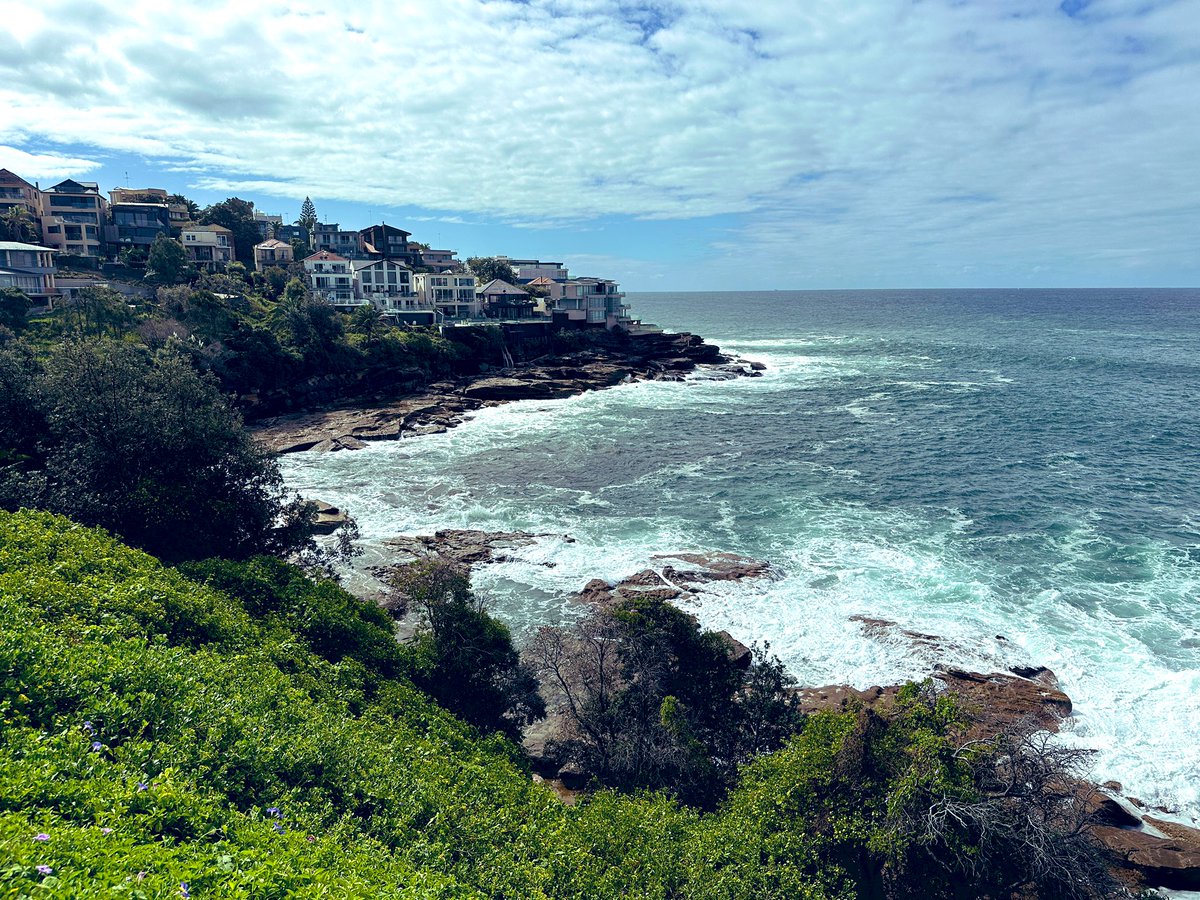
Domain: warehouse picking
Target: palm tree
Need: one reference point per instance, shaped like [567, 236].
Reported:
[17, 225]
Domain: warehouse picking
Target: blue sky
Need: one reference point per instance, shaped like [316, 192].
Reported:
[715, 144]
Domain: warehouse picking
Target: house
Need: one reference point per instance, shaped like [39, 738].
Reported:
[266, 225]
[29, 268]
[16, 192]
[502, 300]
[136, 223]
[329, 277]
[273, 252]
[73, 220]
[386, 283]
[389, 242]
[528, 269]
[210, 247]
[291, 233]
[440, 259]
[604, 302]
[453, 294]
[331, 238]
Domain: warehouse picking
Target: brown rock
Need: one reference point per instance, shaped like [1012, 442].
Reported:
[739, 654]
[999, 700]
[1161, 862]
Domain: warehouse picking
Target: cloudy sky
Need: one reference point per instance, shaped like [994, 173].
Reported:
[713, 144]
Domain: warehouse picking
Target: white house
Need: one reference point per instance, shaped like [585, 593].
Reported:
[29, 268]
[386, 283]
[452, 293]
[330, 277]
[208, 246]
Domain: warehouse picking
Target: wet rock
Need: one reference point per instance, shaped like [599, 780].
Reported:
[757, 366]
[329, 518]
[713, 566]
[1000, 700]
[464, 546]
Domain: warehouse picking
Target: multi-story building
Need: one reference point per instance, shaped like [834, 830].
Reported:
[210, 247]
[440, 259]
[16, 192]
[29, 268]
[266, 225]
[73, 219]
[291, 233]
[137, 223]
[528, 269]
[330, 277]
[273, 252]
[382, 281]
[502, 300]
[453, 294]
[331, 238]
[390, 242]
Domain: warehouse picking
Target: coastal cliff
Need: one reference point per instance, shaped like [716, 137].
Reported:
[603, 362]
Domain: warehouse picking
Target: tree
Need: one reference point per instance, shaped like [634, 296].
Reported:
[488, 268]
[167, 263]
[17, 225]
[148, 448]
[308, 218]
[464, 658]
[192, 207]
[238, 216]
[99, 310]
[368, 321]
[14, 309]
[653, 702]
[276, 280]
[306, 324]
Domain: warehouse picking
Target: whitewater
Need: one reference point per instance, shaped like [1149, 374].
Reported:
[1011, 471]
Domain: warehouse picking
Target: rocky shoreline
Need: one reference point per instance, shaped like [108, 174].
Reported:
[445, 404]
[1146, 847]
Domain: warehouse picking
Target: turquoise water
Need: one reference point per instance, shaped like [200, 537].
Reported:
[1014, 472]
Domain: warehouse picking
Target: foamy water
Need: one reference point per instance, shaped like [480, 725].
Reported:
[988, 472]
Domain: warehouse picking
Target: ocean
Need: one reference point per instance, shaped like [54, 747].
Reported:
[1013, 472]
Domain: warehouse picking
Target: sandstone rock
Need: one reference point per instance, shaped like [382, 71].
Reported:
[739, 654]
[329, 518]
[999, 700]
[1161, 862]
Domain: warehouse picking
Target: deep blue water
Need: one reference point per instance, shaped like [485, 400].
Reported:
[1013, 471]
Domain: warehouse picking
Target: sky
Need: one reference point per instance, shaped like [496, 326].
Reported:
[707, 145]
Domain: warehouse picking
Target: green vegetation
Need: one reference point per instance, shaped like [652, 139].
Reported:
[255, 735]
[144, 445]
[488, 268]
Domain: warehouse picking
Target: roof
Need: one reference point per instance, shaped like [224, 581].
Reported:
[326, 256]
[219, 229]
[70, 186]
[162, 205]
[17, 245]
[499, 286]
[273, 244]
[543, 280]
[6, 174]
[359, 264]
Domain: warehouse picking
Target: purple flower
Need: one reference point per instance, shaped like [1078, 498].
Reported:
[97, 746]
[45, 870]
[88, 729]
[273, 811]
[41, 837]
[278, 828]
[141, 786]
[106, 831]
[312, 838]
[183, 890]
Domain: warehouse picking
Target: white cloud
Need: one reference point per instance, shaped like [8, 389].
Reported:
[49, 166]
[890, 136]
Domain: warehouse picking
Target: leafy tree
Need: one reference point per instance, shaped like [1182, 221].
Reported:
[97, 311]
[276, 280]
[238, 216]
[655, 702]
[368, 321]
[17, 225]
[463, 657]
[488, 268]
[167, 263]
[308, 325]
[193, 208]
[146, 447]
[14, 309]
